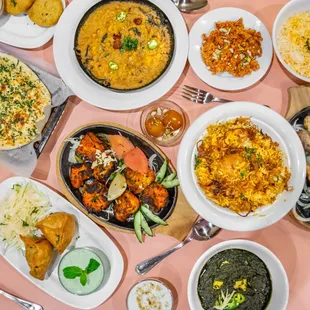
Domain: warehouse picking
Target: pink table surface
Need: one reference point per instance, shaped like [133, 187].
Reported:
[286, 238]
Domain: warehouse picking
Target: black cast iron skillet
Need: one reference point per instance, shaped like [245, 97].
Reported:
[298, 121]
[137, 140]
[164, 22]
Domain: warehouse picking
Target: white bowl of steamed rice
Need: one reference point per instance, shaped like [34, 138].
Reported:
[291, 38]
[241, 166]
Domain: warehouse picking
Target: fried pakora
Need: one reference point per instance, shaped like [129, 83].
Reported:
[102, 173]
[88, 146]
[80, 173]
[137, 182]
[126, 205]
[58, 228]
[94, 198]
[156, 196]
[39, 254]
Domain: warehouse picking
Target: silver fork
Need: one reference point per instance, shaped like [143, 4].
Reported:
[200, 96]
[24, 303]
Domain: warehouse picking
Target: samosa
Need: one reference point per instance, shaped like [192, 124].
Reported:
[58, 228]
[39, 254]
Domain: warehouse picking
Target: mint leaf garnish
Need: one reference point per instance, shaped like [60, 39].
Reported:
[83, 279]
[92, 266]
[72, 272]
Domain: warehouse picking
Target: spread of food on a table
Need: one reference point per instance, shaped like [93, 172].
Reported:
[240, 165]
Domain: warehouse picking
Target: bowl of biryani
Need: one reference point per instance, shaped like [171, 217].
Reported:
[291, 38]
[241, 166]
[230, 49]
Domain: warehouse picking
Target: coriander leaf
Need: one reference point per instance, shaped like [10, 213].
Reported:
[129, 44]
[197, 161]
[34, 211]
[244, 172]
[92, 266]
[83, 279]
[25, 224]
[57, 238]
[72, 272]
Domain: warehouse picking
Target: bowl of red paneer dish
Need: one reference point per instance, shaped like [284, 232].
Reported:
[117, 177]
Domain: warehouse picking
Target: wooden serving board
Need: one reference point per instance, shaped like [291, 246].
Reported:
[180, 221]
[299, 98]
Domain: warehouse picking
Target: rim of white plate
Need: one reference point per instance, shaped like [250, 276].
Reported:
[97, 95]
[225, 81]
[39, 37]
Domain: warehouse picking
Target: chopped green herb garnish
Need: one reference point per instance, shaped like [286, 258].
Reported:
[307, 45]
[244, 172]
[95, 198]
[197, 161]
[104, 38]
[34, 211]
[242, 196]
[57, 238]
[249, 152]
[25, 224]
[129, 45]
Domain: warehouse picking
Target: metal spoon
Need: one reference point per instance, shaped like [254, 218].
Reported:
[188, 6]
[24, 303]
[202, 230]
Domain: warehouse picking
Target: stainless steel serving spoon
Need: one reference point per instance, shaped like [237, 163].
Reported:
[188, 6]
[24, 303]
[202, 230]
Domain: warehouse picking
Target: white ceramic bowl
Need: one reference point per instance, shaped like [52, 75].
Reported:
[291, 8]
[89, 91]
[225, 81]
[279, 130]
[280, 285]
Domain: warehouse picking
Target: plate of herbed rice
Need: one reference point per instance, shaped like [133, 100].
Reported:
[291, 38]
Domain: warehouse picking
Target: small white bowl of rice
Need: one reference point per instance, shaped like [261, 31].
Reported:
[291, 38]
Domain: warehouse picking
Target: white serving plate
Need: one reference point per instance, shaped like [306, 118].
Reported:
[20, 31]
[280, 284]
[290, 9]
[89, 91]
[225, 81]
[90, 236]
[279, 130]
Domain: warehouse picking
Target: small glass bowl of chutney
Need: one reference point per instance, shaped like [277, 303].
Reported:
[163, 122]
